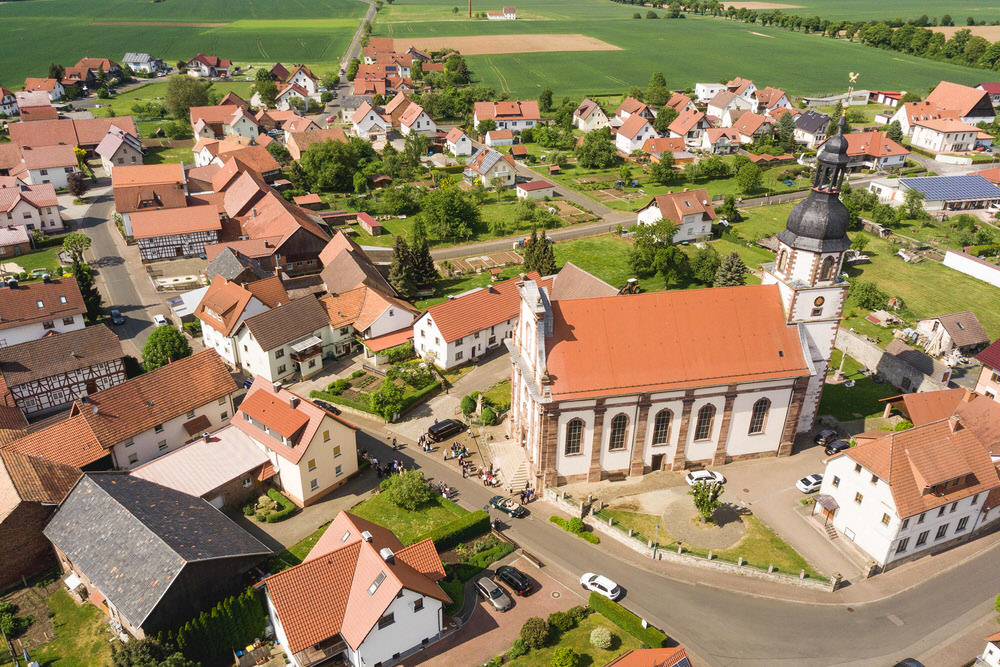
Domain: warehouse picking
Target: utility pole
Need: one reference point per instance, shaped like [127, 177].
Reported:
[470, 9]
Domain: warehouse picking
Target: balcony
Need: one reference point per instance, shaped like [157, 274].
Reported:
[307, 349]
[323, 653]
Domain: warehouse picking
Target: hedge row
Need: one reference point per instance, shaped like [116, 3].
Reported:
[627, 621]
[565, 525]
[287, 506]
[486, 558]
[460, 530]
[980, 250]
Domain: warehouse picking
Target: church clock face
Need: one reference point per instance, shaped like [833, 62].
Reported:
[819, 301]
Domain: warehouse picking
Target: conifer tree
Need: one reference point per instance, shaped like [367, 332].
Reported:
[731, 272]
[423, 265]
[401, 274]
[545, 258]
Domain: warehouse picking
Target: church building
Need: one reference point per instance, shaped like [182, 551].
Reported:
[627, 384]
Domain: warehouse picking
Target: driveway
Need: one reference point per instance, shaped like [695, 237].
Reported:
[489, 633]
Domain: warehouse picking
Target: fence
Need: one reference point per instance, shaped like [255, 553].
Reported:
[604, 524]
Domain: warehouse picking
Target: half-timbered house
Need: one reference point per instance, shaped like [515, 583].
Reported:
[175, 232]
[47, 374]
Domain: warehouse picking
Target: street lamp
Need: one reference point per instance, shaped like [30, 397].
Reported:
[656, 538]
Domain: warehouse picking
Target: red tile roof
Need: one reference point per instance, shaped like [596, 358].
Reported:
[962, 99]
[686, 121]
[872, 144]
[914, 460]
[70, 441]
[72, 132]
[334, 590]
[278, 416]
[675, 205]
[662, 144]
[632, 126]
[170, 221]
[510, 110]
[671, 340]
[58, 298]
[147, 174]
[36, 480]
[389, 340]
[480, 309]
[651, 657]
[155, 397]
[990, 357]
[227, 300]
[947, 125]
[531, 186]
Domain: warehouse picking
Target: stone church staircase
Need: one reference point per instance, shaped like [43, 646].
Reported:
[511, 461]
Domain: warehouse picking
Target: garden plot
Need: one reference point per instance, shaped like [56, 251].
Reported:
[480, 263]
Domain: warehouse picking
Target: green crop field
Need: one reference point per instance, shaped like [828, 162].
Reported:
[37, 32]
[686, 51]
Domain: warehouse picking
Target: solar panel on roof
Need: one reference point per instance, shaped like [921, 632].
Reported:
[971, 186]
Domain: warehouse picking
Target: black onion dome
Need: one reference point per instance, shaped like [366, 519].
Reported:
[818, 224]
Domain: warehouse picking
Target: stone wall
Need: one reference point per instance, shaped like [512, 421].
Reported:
[646, 550]
[890, 368]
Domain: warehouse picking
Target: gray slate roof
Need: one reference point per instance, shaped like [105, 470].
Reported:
[286, 322]
[811, 121]
[56, 355]
[132, 538]
[230, 264]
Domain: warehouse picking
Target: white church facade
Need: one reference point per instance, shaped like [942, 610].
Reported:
[627, 384]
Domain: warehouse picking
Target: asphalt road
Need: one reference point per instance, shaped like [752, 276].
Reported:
[114, 278]
[724, 627]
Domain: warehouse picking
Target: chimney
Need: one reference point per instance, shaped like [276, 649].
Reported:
[94, 409]
[386, 554]
[954, 423]
[968, 396]
[205, 436]
[73, 354]
[366, 536]
[293, 402]
[276, 386]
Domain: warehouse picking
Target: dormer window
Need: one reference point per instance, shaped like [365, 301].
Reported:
[62, 299]
[40, 304]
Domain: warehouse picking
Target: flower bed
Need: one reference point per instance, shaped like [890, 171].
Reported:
[271, 508]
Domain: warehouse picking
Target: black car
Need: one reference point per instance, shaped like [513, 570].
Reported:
[836, 447]
[515, 579]
[507, 506]
[445, 429]
[329, 407]
[117, 317]
[825, 436]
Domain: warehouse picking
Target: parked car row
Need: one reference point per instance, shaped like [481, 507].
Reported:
[496, 595]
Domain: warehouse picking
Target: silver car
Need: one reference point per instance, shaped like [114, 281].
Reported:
[493, 594]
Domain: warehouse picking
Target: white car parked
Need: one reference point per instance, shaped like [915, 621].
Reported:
[708, 476]
[810, 483]
[600, 585]
[159, 320]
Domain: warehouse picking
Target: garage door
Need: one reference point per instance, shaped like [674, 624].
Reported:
[218, 501]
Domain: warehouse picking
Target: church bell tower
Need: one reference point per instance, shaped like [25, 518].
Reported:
[807, 268]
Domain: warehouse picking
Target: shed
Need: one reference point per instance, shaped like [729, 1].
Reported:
[369, 224]
[535, 190]
[310, 201]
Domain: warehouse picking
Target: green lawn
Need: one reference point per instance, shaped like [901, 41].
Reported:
[62, 31]
[631, 198]
[458, 285]
[81, 635]
[797, 62]
[408, 526]
[857, 402]
[499, 394]
[161, 154]
[759, 547]
[579, 640]
[46, 258]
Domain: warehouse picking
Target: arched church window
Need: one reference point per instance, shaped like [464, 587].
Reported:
[574, 437]
[706, 415]
[619, 425]
[759, 415]
[661, 427]
[826, 273]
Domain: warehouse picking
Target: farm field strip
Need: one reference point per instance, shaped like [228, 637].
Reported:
[683, 50]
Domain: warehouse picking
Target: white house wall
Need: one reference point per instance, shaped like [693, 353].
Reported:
[151, 444]
[407, 632]
[36, 330]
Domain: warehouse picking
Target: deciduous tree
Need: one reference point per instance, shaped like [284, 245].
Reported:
[74, 244]
[597, 150]
[164, 345]
[387, 400]
[449, 213]
[545, 100]
[748, 178]
[706, 499]
[705, 264]
[184, 92]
